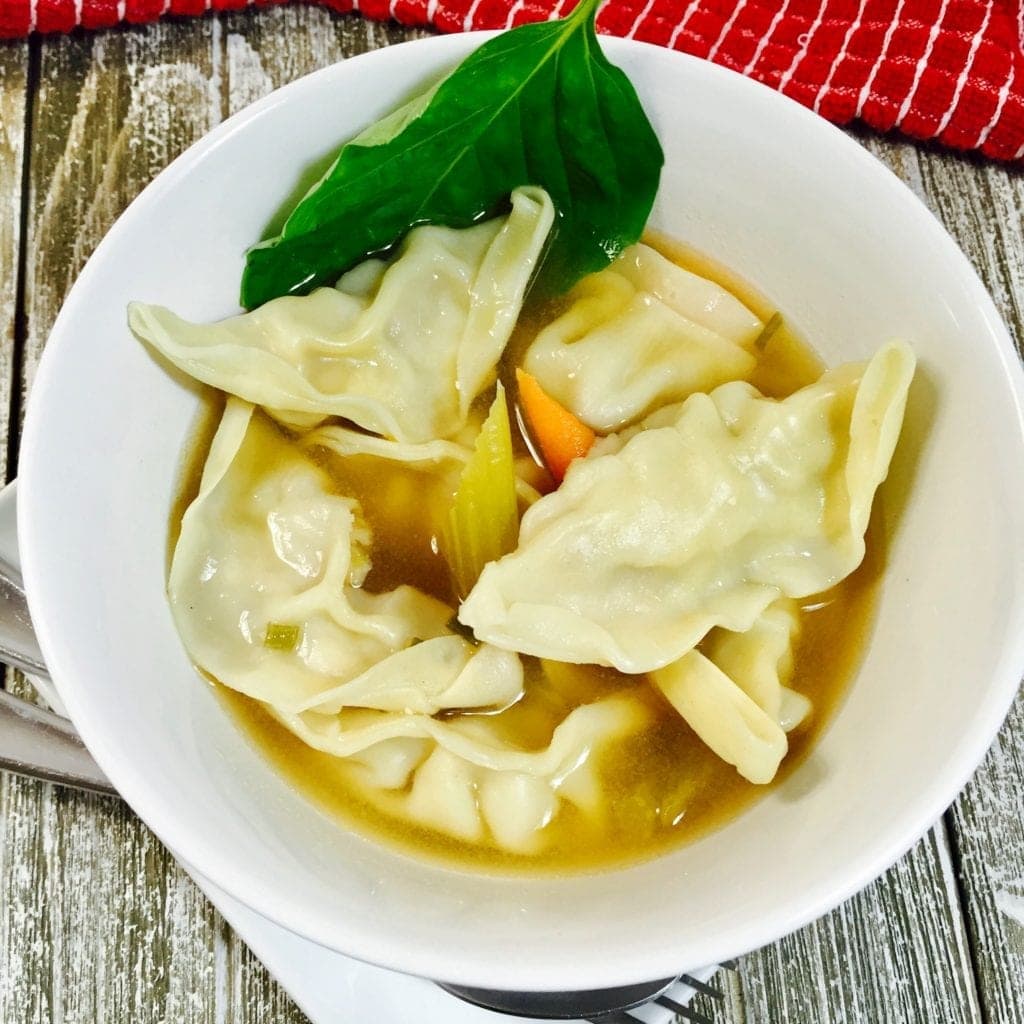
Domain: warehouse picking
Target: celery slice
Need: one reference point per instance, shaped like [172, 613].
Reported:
[483, 522]
[281, 637]
[768, 332]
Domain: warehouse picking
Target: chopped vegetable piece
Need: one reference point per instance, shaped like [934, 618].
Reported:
[281, 637]
[559, 434]
[483, 523]
[774, 323]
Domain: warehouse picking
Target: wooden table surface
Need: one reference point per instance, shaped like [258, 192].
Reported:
[97, 922]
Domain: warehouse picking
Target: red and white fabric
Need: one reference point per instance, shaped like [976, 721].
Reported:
[949, 70]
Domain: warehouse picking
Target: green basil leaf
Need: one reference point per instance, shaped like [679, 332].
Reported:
[539, 105]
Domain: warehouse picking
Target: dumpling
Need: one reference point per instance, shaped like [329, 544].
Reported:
[760, 661]
[699, 523]
[641, 334]
[266, 543]
[732, 692]
[401, 350]
[458, 777]
[441, 674]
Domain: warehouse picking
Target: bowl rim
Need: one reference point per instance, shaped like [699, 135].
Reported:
[204, 855]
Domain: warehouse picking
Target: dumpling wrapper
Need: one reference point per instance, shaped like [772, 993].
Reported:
[440, 674]
[732, 692]
[267, 541]
[639, 335]
[760, 661]
[468, 781]
[723, 716]
[402, 352]
[699, 523]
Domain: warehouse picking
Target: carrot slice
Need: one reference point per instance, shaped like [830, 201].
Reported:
[559, 434]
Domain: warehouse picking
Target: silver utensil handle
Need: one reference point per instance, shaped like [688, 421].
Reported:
[43, 745]
[18, 644]
[34, 741]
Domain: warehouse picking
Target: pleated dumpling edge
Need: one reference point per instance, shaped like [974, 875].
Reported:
[698, 523]
[401, 351]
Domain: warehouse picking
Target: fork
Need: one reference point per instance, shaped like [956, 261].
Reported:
[34, 741]
[599, 1006]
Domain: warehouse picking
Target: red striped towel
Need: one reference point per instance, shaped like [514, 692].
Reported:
[951, 70]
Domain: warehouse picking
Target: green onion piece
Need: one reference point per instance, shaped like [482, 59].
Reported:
[281, 637]
[774, 323]
[483, 522]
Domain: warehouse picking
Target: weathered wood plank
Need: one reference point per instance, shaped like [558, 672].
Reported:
[14, 67]
[112, 110]
[988, 824]
[269, 48]
[99, 924]
[896, 952]
[14, 99]
[982, 206]
[15, 75]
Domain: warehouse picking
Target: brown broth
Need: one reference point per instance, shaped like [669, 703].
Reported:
[403, 508]
[663, 786]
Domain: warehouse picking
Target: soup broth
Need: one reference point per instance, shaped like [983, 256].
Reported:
[661, 785]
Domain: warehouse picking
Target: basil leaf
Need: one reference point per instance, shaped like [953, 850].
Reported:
[539, 105]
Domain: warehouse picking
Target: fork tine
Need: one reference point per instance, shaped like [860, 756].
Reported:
[702, 986]
[683, 1011]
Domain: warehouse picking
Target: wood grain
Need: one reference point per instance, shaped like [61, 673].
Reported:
[18, 862]
[898, 952]
[97, 922]
[14, 73]
[111, 111]
[988, 824]
[266, 49]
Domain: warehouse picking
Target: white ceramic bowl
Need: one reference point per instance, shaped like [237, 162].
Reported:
[752, 179]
